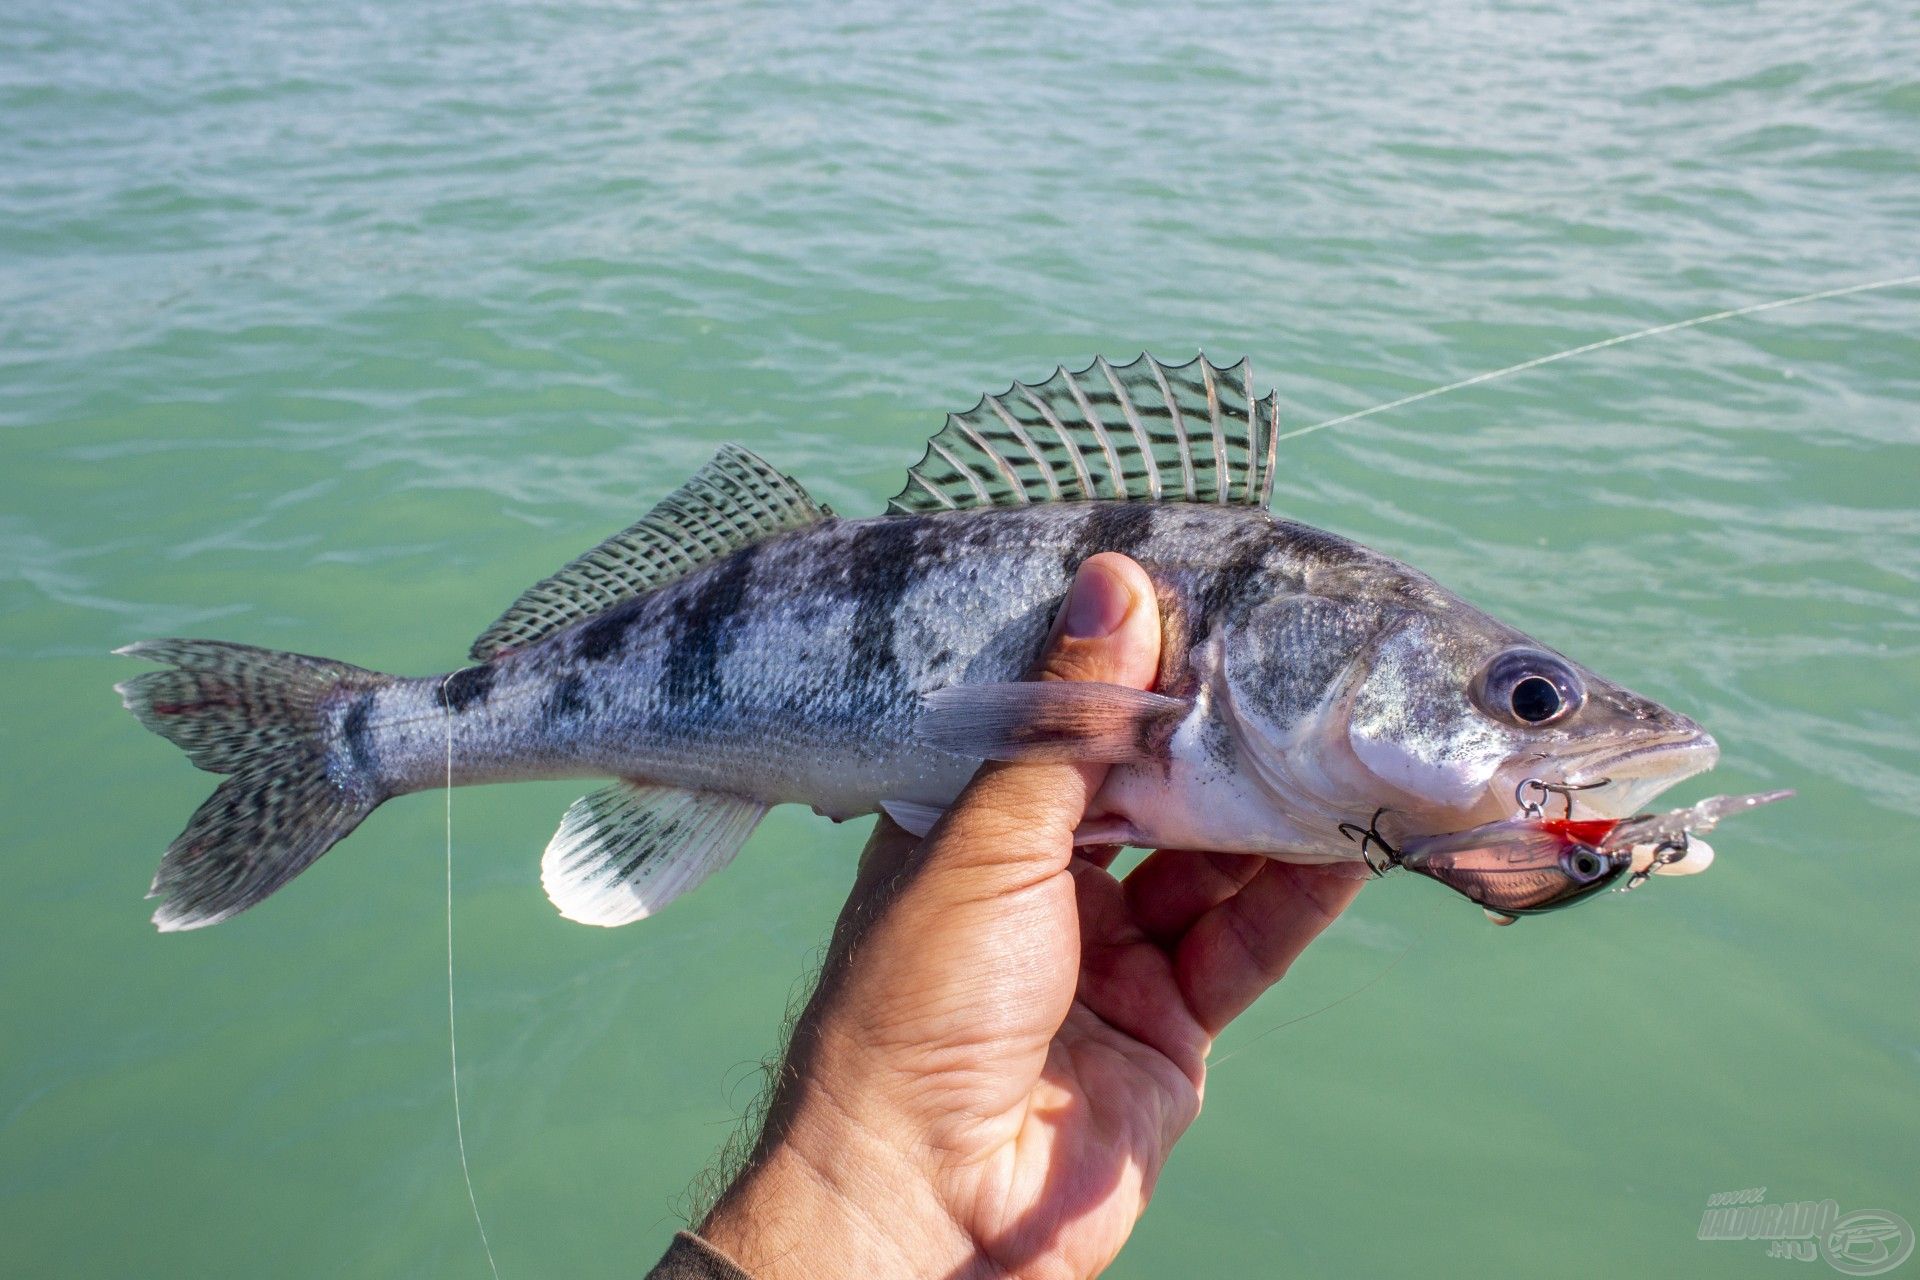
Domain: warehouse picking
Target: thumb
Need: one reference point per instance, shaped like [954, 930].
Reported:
[1014, 823]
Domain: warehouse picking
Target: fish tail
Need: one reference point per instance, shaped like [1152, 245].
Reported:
[280, 725]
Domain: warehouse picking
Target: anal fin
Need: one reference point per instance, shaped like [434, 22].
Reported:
[624, 852]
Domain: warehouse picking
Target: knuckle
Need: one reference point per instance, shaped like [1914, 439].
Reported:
[1078, 660]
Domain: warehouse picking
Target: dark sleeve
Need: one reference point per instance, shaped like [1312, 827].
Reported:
[691, 1258]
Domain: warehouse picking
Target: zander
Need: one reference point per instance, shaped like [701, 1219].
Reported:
[742, 647]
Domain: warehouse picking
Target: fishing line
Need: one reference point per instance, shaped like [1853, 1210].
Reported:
[1694, 322]
[453, 1038]
[1617, 340]
[1365, 986]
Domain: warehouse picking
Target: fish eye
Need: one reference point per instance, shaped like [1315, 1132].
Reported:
[1535, 700]
[1529, 688]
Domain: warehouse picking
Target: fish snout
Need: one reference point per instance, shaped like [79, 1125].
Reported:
[1655, 758]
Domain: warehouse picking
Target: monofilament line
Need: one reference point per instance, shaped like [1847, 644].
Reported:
[1617, 340]
[1368, 985]
[453, 1038]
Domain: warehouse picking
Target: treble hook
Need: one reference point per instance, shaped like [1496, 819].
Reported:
[1537, 808]
[1368, 836]
[1664, 853]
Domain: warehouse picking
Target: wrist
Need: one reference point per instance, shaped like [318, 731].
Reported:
[835, 1202]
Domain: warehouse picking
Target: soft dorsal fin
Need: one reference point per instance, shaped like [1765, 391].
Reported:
[733, 501]
[1144, 431]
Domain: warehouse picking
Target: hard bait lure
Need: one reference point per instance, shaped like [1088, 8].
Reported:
[1534, 863]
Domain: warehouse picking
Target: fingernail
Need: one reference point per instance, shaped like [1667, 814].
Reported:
[1097, 604]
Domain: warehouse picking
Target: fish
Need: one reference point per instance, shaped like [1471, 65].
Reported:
[742, 646]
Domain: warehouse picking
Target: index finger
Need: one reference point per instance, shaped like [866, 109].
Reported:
[1235, 951]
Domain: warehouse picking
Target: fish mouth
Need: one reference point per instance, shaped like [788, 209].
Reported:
[1617, 784]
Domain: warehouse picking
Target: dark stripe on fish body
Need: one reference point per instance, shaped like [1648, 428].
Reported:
[465, 687]
[1192, 606]
[703, 624]
[567, 700]
[1309, 543]
[1231, 584]
[1111, 526]
[884, 559]
[359, 738]
[601, 638]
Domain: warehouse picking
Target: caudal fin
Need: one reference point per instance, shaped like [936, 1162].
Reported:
[265, 718]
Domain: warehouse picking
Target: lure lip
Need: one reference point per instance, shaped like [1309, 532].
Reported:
[1437, 862]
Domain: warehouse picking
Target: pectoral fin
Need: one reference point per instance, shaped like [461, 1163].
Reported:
[1056, 720]
[918, 819]
[624, 852]
[914, 819]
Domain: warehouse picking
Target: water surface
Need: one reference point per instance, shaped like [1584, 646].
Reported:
[331, 327]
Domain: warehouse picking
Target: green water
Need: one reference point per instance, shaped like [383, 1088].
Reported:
[329, 327]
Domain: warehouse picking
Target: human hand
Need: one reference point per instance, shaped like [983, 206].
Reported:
[1007, 1040]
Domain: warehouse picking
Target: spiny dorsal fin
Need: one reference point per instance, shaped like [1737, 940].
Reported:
[1145, 431]
[733, 501]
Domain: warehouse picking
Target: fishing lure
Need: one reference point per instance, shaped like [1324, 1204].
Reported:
[1532, 863]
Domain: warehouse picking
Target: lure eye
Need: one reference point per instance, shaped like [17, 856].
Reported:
[1529, 688]
[1586, 865]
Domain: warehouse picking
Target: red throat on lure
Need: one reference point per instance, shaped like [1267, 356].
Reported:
[1580, 830]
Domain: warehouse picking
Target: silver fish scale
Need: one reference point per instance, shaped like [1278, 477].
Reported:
[793, 670]
[1305, 683]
